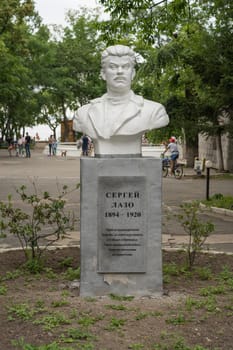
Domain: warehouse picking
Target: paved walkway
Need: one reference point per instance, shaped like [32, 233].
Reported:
[51, 173]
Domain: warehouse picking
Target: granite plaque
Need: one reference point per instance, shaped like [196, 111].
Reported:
[121, 224]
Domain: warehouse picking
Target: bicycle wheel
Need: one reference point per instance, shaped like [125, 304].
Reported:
[165, 171]
[178, 172]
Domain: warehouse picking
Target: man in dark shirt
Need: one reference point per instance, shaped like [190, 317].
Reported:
[27, 145]
[85, 144]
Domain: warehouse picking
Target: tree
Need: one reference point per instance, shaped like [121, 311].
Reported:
[164, 76]
[17, 97]
[188, 59]
[73, 69]
[148, 20]
[214, 51]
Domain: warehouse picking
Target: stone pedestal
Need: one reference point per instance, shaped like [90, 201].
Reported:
[121, 226]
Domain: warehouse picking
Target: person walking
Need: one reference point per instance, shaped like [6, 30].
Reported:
[27, 145]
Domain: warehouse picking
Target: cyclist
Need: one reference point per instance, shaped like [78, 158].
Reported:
[172, 147]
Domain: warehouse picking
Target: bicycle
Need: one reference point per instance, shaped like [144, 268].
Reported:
[178, 168]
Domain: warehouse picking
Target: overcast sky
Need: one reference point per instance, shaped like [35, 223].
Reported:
[53, 11]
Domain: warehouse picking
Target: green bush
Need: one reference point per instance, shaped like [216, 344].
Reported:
[45, 222]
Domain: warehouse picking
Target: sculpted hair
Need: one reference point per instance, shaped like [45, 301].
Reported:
[118, 50]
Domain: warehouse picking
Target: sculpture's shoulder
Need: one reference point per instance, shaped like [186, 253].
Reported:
[146, 104]
[85, 108]
[79, 120]
[97, 100]
[157, 112]
[153, 105]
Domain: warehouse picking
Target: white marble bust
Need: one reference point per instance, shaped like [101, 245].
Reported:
[117, 120]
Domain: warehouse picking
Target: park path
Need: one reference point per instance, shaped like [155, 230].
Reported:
[51, 173]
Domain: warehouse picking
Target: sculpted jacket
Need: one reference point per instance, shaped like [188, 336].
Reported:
[137, 116]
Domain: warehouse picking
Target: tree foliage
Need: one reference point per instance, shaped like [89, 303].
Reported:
[44, 75]
[185, 62]
[16, 92]
[73, 70]
[187, 50]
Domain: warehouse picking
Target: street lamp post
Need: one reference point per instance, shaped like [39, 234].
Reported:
[208, 165]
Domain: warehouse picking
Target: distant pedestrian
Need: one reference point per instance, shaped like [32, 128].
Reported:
[10, 148]
[54, 146]
[50, 144]
[85, 145]
[21, 145]
[28, 145]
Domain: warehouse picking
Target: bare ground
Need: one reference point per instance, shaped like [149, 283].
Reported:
[45, 312]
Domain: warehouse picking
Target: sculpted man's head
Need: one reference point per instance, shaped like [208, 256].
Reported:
[117, 68]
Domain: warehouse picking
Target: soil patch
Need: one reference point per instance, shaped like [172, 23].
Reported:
[44, 311]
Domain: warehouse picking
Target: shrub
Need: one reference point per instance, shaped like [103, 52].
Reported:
[45, 221]
[197, 230]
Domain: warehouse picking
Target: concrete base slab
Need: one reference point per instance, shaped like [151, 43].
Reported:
[121, 226]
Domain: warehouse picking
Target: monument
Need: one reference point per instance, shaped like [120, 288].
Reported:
[120, 190]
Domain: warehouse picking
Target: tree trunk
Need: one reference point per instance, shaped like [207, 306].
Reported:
[219, 151]
[54, 133]
[190, 150]
[66, 126]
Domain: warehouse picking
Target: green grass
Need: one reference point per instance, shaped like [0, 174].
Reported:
[50, 274]
[11, 275]
[226, 274]
[72, 274]
[66, 262]
[176, 320]
[141, 316]
[212, 290]
[86, 320]
[222, 176]
[52, 321]
[191, 303]
[116, 307]
[220, 201]
[136, 346]
[208, 304]
[120, 297]
[60, 303]
[203, 273]
[173, 270]
[20, 344]
[74, 334]
[3, 289]
[172, 341]
[22, 311]
[115, 323]
[90, 299]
